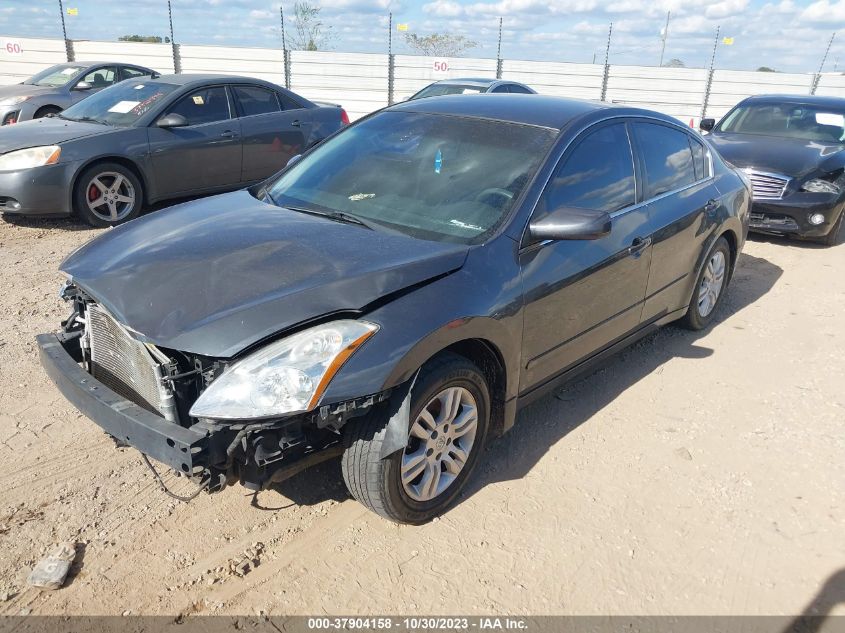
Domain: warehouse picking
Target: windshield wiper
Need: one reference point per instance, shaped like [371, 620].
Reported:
[84, 119]
[339, 216]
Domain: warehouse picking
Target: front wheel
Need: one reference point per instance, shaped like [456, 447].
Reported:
[710, 287]
[449, 422]
[108, 194]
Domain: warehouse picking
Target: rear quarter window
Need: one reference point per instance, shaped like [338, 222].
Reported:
[666, 156]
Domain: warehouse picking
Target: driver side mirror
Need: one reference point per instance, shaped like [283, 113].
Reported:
[83, 85]
[705, 125]
[172, 120]
[571, 223]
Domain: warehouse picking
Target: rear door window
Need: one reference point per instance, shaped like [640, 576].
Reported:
[253, 100]
[206, 105]
[598, 174]
[699, 159]
[666, 156]
[522, 90]
[132, 73]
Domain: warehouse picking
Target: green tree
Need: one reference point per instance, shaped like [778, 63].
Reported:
[674, 63]
[311, 34]
[766, 69]
[439, 44]
[153, 39]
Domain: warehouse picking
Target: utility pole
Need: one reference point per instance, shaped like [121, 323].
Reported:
[710, 74]
[665, 35]
[390, 59]
[499, 52]
[285, 53]
[177, 62]
[606, 63]
[68, 48]
[824, 59]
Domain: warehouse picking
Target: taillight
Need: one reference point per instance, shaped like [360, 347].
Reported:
[344, 118]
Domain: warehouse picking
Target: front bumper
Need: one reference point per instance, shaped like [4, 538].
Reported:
[791, 214]
[186, 450]
[40, 191]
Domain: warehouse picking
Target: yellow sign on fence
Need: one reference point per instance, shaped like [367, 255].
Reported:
[727, 41]
[402, 27]
[73, 11]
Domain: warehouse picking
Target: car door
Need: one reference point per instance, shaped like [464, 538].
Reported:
[273, 128]
[583, 295]
[205, 154]
[682, 206]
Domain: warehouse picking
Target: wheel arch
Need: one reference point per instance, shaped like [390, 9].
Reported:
[49, 107]
[111, 158]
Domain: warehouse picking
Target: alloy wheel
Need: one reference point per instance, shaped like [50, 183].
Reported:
[439, 443]
[711, 283]
[110, 196]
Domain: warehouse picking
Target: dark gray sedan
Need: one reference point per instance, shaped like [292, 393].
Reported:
[59, 87]
[472, 86]
[146, 140]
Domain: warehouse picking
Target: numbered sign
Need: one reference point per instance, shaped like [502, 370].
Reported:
[440, 66]
[11, 47]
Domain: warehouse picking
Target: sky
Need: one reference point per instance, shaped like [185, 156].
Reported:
[788, 35]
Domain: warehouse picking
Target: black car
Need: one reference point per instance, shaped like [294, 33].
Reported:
[398, 293]
[792, 147]
[60, 86]
[146, 140]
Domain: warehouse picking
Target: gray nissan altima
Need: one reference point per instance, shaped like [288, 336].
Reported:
[146, 140]
[60, 86]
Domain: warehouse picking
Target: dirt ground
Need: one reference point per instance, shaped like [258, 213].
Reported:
[694, 474]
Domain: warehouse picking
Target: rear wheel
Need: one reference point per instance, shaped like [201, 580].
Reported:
[710, 287]
[449, 421]
[108, 194]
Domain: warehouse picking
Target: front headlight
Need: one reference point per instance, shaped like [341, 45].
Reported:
[288, 376]
[10, 101]
[818, 185]
[31, 157]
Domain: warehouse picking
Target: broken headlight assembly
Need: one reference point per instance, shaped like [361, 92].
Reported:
[284, 377]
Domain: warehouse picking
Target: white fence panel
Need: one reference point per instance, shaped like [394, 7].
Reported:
[678, 92]
[831, 85]
[732, 86]
[22, 57]
[412, 73]
[578, 81]
[261, 63]
[357, 81]
[159, 57]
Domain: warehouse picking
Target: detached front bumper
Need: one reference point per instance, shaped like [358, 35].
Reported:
[791, 215]
[184, 449]
[39, 191]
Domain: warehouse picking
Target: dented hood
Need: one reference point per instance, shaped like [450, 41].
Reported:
[214, 276]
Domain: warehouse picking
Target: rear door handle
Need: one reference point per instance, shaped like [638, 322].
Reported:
[639, 245]
[295, 123]
[228, 134]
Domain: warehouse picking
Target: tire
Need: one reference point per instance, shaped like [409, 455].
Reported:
[832, 238]
[377, 483]
[702, 311]
[119, 205]
[45, 110]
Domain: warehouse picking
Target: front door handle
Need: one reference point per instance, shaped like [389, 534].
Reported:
[639, 245]
[228, 134]
[295, 123]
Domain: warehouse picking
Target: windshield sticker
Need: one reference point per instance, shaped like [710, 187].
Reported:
[198, 99]
[361, 196]
[139, 87]
[122, 107]
[829, 118]
[464, 225]
[438, 161]
[146, 104]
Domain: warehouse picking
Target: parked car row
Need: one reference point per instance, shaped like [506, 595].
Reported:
[392, 291]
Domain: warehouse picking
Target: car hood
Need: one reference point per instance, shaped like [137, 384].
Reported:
[214, 276]
[46, 131]
[22, 90]
[791, 157]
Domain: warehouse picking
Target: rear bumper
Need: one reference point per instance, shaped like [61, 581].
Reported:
[183, 449]
[39, 191]
[792, 215]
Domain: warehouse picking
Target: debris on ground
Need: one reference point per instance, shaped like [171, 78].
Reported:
[51, 571]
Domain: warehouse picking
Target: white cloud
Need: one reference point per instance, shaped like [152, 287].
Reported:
[825, 12]
[725, 9]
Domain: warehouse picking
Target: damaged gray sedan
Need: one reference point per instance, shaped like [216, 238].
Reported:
[397, 293]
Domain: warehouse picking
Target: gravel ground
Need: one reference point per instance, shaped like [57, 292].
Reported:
[696, 473]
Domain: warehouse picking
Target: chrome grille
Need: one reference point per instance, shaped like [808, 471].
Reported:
[767, 186]
[121, 363]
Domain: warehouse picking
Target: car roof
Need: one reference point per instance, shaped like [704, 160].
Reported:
[540, 110]
[818, 100]
[187, 80]
[481, 82]
[109, 62]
